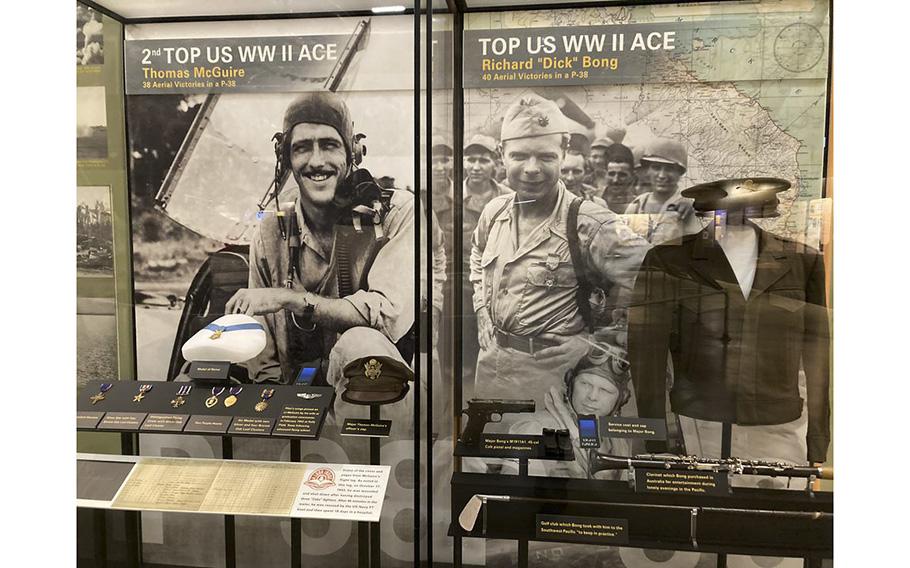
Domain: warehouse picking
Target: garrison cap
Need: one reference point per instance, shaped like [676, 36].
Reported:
[376, 380]
[482, 141]
[666, 151]
[321, 107]
[532, 115]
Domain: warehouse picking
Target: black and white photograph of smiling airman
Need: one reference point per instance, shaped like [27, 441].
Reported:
[212, 213]
[229, 171]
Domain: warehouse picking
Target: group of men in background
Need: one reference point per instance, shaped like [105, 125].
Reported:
[627, 180]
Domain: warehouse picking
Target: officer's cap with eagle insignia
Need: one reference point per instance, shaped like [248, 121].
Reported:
[532, 115]
[376, 380]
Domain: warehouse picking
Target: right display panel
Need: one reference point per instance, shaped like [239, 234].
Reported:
[645, 286]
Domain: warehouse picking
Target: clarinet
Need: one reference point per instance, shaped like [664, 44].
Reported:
[735, 466]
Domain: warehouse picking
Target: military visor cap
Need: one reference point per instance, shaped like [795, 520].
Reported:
[532, 115]
[756, 196]
[376, 380]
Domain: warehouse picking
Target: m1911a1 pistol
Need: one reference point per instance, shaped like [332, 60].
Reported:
[480, 411]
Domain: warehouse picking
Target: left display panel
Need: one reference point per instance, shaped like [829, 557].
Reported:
[270, 173]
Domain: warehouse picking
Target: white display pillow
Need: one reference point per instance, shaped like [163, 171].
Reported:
[234, 337]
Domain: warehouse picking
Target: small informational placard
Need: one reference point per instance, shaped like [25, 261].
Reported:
[130, 421]
[583, 530]
[165, 422]
[366, 427]
[210, 370]
[208, 424]
[681, 482]
[299, 421]
[88, 420]
[251, 426]
[347, 492]
[634, 427]
[508, 445]
[529, 446]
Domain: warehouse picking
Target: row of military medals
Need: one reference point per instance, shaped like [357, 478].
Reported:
[184, 391]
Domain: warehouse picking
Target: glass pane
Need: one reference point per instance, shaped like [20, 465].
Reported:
[645, 267]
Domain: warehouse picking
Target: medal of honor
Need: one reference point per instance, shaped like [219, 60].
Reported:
[179, 401]
[232, 399]
[265, 395]
[213, 400]
[142, 390]
[96, 398]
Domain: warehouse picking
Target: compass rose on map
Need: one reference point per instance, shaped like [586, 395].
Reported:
[799, 47]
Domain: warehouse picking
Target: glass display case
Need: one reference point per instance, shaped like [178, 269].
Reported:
[639, 297]
[279, 351]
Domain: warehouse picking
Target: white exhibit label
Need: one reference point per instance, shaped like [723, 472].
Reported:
[348, 492]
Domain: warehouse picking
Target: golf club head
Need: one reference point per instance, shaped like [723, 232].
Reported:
[468, 517]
